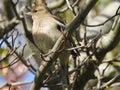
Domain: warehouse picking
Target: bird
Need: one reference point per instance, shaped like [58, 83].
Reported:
[46, 27]
[46, 30]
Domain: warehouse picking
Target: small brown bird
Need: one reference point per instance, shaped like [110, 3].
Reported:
[46, 27]
[46, 30]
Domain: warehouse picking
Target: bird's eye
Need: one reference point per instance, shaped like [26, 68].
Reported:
[35, 10]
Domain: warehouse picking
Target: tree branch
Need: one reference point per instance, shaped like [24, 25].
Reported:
[110, 82]
[8, 27]
[108, 42]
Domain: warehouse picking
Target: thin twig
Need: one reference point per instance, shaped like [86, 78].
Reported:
[81, 64]
[66, 8]
[116, 78]
[117, 14]
[15, 84]
[70, 7]
[14, 8]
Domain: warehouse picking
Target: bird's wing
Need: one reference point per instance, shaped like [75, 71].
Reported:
[60, 24]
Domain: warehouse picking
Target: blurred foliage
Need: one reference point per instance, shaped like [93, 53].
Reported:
[3, 53]
[8, 9]
[66, 16]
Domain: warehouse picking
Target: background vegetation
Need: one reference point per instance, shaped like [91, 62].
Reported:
[92, 26]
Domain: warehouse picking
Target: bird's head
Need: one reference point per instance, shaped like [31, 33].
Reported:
[39, 9]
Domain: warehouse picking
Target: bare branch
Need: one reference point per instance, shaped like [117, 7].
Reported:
[8, 27]
[116, 78]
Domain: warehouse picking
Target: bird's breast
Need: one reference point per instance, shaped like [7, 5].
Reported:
[45, 35]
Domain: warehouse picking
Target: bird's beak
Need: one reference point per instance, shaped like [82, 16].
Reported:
[29, 13]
